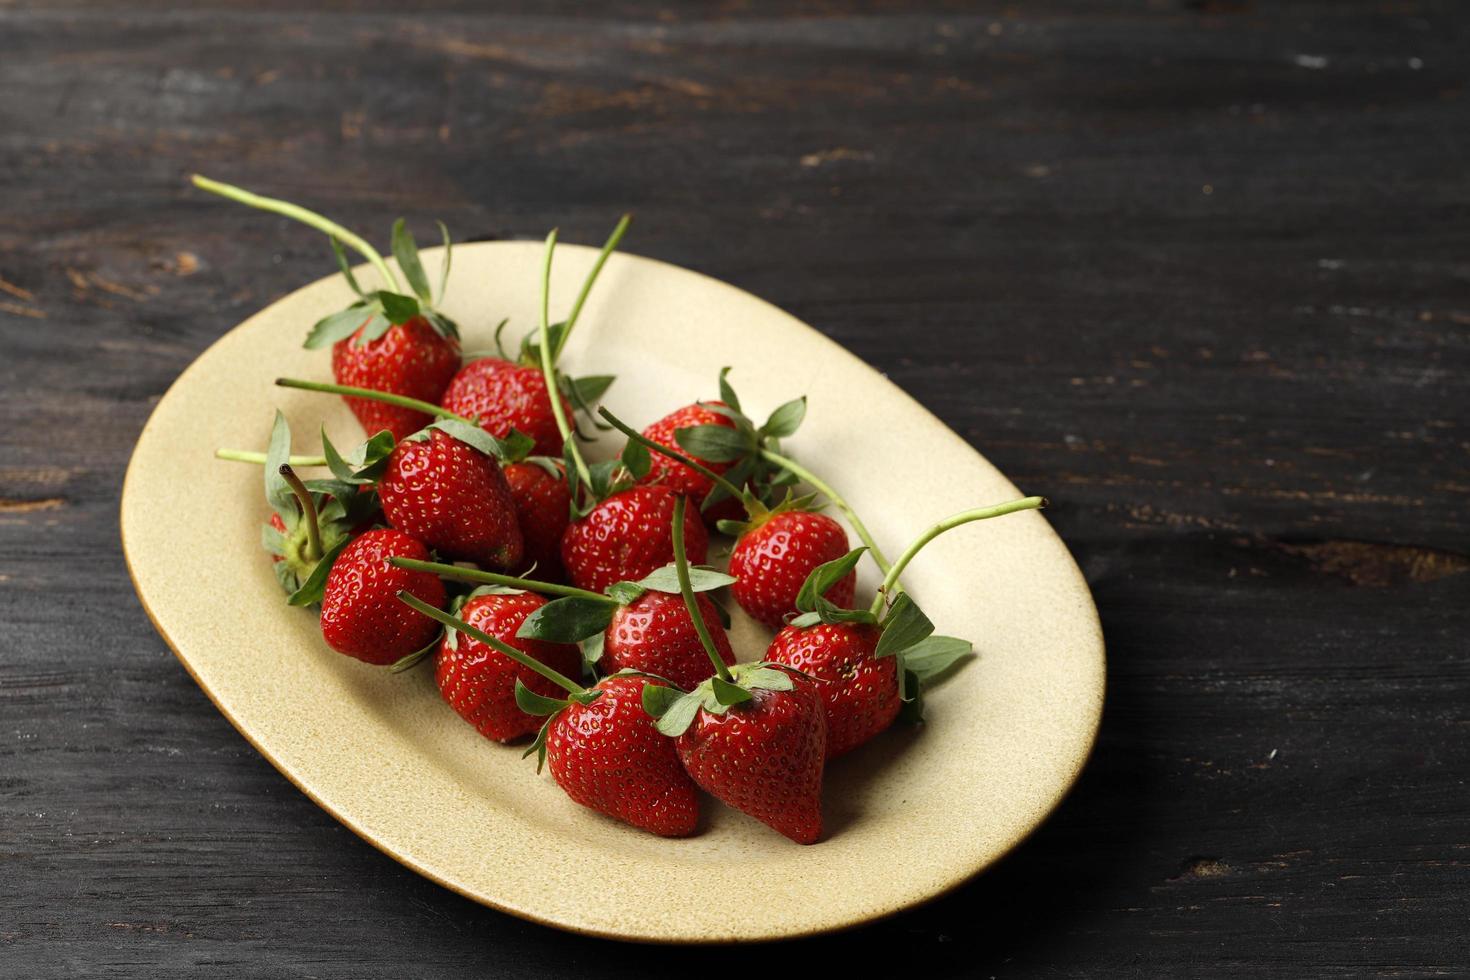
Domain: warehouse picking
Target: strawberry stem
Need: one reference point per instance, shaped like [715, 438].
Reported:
[314, 550]
[371, 394]
[677, 457]
[525, 660]
[250, 456]
[963, 517]
[686, 589]
[298, 213]
[495, 578]
[607, 250]
[816, 483]
[548, 368]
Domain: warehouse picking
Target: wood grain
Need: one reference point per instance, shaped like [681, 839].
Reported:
[1197, 271]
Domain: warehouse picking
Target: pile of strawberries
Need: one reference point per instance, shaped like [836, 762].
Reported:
[568, 602]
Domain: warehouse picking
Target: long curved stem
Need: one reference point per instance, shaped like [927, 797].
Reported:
[686, 589]
[386, 397]
[439, 615]
[677, 457]
[297, 213]
[251, 456]
[314, 549]
[822, 487]
[548, 367]
[495, 578]
[934, 531]
[607, 249]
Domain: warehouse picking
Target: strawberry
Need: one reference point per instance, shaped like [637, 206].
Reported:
[604, 750]
[626, 536]
[543, 505]
[360, 616]
[479, 682]
[654, 634]
[445, 490]
[680, 478]
[775, 553]
[503, 395]
[859, 691]
[387, 340]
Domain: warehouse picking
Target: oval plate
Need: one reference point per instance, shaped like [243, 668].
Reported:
[909, 816]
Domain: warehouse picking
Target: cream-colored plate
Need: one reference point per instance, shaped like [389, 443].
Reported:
[909, 816]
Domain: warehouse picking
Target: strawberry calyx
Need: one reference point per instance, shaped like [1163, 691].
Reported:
[761, 513]
[743, 446]
[675, 710]
[636, 461]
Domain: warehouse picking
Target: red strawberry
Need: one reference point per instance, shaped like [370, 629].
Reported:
[412, 359]
[452, 497]
[608, 756]
[654, 634]
[479, 681]
[361, 616]
[775, 554]
[504, 396]
[627, 536]
[764, 757]
[860, 692]
[543, 510]
[682, 479]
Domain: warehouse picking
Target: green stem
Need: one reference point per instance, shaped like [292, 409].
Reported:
[386, 397]
[298, 213]
[495, 578]
[250, 456]
[963, 517]
[677, 457]
[816, 483]
[314, 549]
[439, 615]
[548, 367]
[607, 250]
[686, 589]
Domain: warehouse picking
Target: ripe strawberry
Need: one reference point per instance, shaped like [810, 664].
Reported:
[361, 617]
[860, 692]
[453, 497]
[608, 756]
[412, 359]
[626, 536]
[503, 395]
[773, 556]
[654, 634]
[764, 757]
[682, 479]
[479, 681]
[543, 510]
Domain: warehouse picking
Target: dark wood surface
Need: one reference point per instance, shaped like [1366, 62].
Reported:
[1198, 271]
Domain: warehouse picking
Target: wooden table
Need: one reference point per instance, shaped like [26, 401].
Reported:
[1198, 271]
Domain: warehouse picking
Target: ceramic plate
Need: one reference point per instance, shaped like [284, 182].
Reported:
[1007, 733]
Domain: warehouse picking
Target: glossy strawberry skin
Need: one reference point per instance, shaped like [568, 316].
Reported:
[479, 682]
[859, 691]
[680, 478]
[627, 536]
[765, 758]
[608, 756]
[411, 359]
[362, 615]
[504, 396]
[655, 634]
[772, 561]
[454, 499]
[543, 510]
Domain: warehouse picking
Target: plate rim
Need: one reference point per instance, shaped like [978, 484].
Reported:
[1044, 814]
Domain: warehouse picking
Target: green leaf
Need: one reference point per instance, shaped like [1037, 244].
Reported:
[625, 593]
[904, 626]
[412, 660]
[568, 620]
[591, 649]
[806, 619]
[785, 420]
[442, 325]
[285, 576]
[701, 577]
[585, 391]
[343, 264]
[727, 693]
[658, 699]
[680, 715]
[272, 540]
[767, 678]
[933, 657]
[448, 255]
[338, 326]
[507, 450]
[310, 592]
[637, 459]
[277, 491]
[823, 577]
[713, 443]
[365, 463]
[536, 704]
[373, 330]
[397, 307]
[732, 528]
[538, 746]
[406, 251]
[727, 393]
[912, 712]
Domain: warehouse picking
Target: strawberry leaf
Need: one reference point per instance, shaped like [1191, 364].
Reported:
[823, 577]
[414, 659]
[678, 716]
[912, 712]
[784, 421]
[406, 251]
[932, 658]
[657, 699]
[625, 593]
[727, 393]
[342, 264]
[727, 693]
[397, 307]
[767, 678]
[713, 443]
[448, 255]
[310, 592]
[538, 746]
[636, 459]
[373, 329]
[567, 620]
[514, 446]
[904, 626]
[591, 649]
[337, 326]
[442, 325]
[277, 491]
[272, 540]
[365, 463]
[701, 577]
[536, 704]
